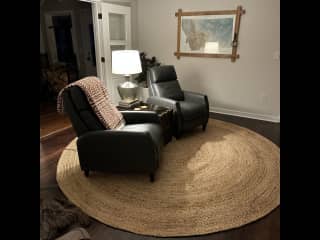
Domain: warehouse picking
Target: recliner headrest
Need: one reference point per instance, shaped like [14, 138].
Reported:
[162, 74]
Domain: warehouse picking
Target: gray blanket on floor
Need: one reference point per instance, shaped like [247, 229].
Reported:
[57, 216]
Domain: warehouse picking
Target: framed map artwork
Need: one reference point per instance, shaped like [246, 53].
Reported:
[208, 33]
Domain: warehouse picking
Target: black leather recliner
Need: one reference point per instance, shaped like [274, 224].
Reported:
[190, 109]
[134, 148]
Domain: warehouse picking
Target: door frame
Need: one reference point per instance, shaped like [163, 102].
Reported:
[97, 31]
[86, 39]
[103, 43]
[51, 42]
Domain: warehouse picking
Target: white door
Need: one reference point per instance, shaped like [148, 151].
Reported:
[88, 61]
[112, 32]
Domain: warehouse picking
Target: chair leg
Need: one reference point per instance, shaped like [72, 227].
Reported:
[86, 173]
[151, 177]
[204, 126]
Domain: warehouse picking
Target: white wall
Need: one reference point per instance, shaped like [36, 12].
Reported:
[248, 87]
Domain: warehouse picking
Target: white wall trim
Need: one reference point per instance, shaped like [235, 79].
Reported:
[97, 32]
[264, 117]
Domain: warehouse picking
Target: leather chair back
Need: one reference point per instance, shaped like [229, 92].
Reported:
[162, 81]
[77, 107]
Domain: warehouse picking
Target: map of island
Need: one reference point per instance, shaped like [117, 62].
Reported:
[199, 33]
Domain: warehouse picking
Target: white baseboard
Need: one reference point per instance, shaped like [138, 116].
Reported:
[264, 117]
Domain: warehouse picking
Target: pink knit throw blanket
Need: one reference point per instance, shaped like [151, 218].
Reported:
[99, 100]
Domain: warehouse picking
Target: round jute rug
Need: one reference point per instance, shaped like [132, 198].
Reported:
[207, 181]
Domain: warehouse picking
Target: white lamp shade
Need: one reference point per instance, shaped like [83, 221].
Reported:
[126, 62]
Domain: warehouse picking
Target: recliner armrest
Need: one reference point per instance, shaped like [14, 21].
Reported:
[195, 97]
[140, 117]
[111, 137]
[164, 102]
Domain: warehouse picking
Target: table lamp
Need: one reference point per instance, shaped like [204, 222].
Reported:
[126, 62]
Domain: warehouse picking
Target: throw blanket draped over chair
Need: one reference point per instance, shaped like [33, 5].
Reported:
[100, 146]
[97, 95]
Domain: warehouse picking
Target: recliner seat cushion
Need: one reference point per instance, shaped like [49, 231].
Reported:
[192, 110]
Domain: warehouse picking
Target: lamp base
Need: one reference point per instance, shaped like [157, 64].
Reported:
[128, 91]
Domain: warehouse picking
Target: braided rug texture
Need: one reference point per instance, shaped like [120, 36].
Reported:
[207, 182]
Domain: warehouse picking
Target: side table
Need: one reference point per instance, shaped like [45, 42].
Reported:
[165, 116]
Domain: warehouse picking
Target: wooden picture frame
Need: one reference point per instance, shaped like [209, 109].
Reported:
[211, 34]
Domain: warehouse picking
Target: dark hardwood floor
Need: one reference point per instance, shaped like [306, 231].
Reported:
[266, 228]
[51, 122]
